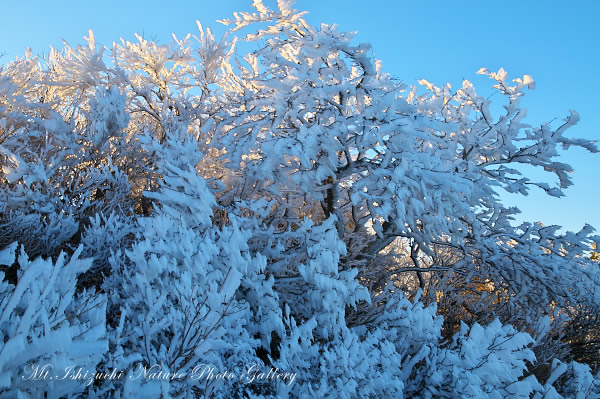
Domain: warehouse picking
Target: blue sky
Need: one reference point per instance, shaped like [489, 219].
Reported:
[556, 42]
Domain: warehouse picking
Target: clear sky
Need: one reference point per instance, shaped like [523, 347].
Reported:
[556, 42]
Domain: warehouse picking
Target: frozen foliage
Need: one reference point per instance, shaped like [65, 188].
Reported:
[290, 223]
[183, 275]
[47, 327]
[480, 362]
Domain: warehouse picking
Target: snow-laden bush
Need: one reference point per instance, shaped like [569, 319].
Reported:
[480, 362]
[181, 277]
[57, 174]
[48, 330]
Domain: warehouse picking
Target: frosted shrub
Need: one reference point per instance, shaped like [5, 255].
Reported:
[48, 330]
[480, 362]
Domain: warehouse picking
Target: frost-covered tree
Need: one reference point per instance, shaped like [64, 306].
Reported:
[411, 176]
[295, 209]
